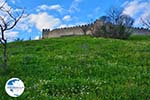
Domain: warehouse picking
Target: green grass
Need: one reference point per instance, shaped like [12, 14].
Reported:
[80, 68]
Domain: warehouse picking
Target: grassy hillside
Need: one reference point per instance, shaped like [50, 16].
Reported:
[80, 68]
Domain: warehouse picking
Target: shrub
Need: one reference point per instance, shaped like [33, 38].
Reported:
[115, 25]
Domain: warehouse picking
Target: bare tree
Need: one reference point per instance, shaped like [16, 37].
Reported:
[115, 24]
[8, 20]
[114, 14]
[146, 22]
[116, 17]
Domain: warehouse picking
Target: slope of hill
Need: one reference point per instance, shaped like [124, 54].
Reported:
[80, 68]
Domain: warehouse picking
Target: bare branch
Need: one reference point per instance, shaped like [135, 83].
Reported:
[1, 27]
[4, 22]
[3, 5]
[7, 22]
[114, 14]
[16, 20]
[13, 18]
[146, 22]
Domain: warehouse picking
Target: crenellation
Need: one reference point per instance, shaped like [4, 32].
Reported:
[83, 30]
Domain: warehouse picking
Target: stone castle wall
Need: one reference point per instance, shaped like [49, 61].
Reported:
[83, 30]
[63, 32]
[141, 31]
[69, 31]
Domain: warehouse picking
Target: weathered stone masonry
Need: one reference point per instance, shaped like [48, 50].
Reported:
[83, 30]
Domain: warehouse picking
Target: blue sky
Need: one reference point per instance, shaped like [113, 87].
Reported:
[64, 13]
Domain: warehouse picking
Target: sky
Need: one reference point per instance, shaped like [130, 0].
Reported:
[53, 14]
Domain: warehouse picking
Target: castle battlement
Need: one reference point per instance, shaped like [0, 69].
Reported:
[83, 30]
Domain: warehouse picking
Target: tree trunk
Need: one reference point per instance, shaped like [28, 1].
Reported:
[4, 44]
[5, 54]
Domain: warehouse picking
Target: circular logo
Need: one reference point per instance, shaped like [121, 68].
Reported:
[14, 87]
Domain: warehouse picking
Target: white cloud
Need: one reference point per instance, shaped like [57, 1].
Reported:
[63, 26]
[56, 7]
[133, 7]
[24, 24]
[44, 20]
[11, 35]
[67, 18]
[137, 9]
[75, 6]
[5, 5]
[144, 16]
[1, 2]
[95, 12]
[13, 1]
[72, 25]
[37, 38]
[125, 4]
